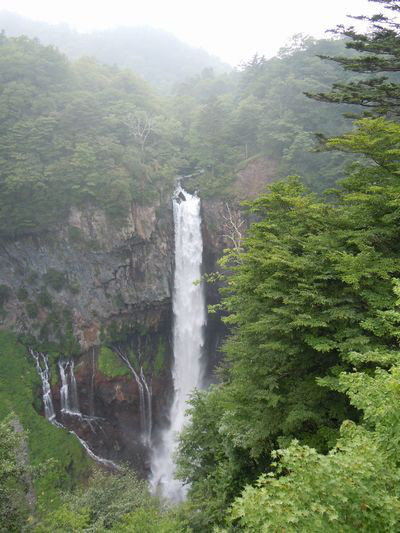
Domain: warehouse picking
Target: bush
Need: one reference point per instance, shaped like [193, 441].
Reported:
[110, 365]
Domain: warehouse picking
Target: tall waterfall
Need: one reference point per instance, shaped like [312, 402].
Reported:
[189, 321]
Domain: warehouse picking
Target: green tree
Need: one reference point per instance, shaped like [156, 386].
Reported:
[13, 504]
[311, 285]
[101, 505]
[356, 486]
[379, 54]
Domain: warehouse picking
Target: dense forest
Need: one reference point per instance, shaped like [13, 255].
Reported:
[80, 132]
[156, 55]
[301, 430]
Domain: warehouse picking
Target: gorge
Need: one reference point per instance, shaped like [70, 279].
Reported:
[124, 396]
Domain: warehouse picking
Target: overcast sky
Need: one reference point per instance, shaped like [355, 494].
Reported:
[234, 30]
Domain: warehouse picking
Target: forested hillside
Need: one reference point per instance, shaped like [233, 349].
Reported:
[262, 112]
[155, 55]
[300, 430]
[80, 133]
[76, 133]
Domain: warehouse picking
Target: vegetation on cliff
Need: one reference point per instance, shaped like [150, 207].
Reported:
[56, 461]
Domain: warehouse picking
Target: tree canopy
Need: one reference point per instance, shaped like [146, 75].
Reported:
[302, 428]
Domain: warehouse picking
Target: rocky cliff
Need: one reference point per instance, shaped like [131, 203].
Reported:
[91, 288]
[88, 273]
[91, 283]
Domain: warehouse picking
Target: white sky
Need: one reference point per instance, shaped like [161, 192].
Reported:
[234, 30]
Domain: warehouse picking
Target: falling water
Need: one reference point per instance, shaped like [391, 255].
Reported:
[92, 384]
[144, 399]
[149, 419]
[189, 322]
[69, 390]
[74, 388]
[43, 369]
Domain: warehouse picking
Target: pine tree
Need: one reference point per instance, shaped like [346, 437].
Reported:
[379, 53]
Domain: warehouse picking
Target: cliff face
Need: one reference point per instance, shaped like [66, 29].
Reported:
[91, 284]
[89, 273]
[103, 285]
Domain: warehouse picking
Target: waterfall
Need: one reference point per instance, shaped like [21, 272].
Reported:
[144, 399]
[189, 321]
[92, 384]
[43, 370]
[149, 419]
[74, 388]
[68, 391]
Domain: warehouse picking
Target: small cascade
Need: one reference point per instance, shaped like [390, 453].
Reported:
[43, 370]
[105, 462]
[74, 388]
[92, 384]
[69, 390]
[144, 399]
[188, 337]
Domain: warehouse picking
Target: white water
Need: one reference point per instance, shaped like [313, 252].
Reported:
[149, 419]
[43, 369]
[68, 391]
[189, 321]
[144, 399]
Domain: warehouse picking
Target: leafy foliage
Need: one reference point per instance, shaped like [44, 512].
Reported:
[13, 508]
[355, 486]
[312, 284]
[352, 488]
[261, 112]
[115, 502]
[65, 139]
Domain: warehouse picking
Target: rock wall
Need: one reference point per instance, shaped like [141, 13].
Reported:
[90, 273]
[100, 284]
[92, 283]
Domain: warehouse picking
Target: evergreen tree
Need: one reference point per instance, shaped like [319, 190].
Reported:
[379, 53]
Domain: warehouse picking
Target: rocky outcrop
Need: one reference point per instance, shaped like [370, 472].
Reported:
[253, 178]
[88, 273]
[92, 282]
